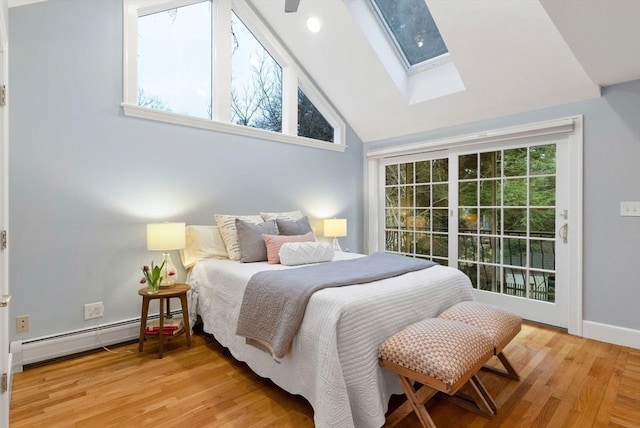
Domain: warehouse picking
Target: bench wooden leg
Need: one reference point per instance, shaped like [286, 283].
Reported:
[483, 390]
[479, 402]
[510, 372]
[417, 399]
[403, 410]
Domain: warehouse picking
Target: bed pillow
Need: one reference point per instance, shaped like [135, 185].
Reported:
[274, 242]
[302, 253]
[202, 242]
[227, 226]
[252, 246]
[293, 227]
[289, 215]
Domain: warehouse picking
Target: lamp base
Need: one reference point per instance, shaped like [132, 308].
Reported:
[336, 245]
[168, 280]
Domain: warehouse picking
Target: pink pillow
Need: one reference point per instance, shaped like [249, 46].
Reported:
[274, 242]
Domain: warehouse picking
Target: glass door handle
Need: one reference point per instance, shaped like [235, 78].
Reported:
[564, 232]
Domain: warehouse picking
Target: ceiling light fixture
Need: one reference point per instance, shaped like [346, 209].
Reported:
[313, 24]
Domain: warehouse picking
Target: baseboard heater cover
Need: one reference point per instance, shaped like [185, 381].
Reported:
[46, 348]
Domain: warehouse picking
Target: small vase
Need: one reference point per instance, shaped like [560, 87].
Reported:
[153, 288]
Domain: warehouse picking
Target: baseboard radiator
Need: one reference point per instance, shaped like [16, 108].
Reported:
[46, 348]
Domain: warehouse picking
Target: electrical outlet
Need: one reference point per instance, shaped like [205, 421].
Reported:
[22, 323]
[93, 310]
[630, 209]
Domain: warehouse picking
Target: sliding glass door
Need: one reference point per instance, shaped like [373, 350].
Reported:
[496, 213]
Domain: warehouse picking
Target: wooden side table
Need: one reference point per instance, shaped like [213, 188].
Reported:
[177, 291]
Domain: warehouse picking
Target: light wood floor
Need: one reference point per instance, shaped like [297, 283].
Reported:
[567, 382]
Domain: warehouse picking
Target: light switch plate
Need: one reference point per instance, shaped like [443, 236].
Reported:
[630, 209]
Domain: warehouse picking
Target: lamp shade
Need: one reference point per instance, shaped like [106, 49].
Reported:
[335, 227]
[165, 236]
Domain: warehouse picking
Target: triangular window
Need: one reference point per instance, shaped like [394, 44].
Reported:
[311, 123]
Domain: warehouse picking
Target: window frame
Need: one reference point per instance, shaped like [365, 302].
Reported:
[570, 128]
[411, 69]
[293, 76]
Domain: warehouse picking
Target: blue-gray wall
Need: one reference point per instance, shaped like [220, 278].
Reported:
[611, 256]
[84, 179]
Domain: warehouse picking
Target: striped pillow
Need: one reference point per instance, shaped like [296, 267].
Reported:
[289, 215]
[229, 232]
[274, 242]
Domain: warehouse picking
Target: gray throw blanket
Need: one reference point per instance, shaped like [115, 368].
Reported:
[274, 302]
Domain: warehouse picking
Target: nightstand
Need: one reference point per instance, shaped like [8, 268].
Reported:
[178, 291]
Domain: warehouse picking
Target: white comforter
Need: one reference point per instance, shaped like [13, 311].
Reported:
[334, 358]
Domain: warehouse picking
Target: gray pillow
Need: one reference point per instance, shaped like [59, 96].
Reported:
[252, 246]
[293, 227]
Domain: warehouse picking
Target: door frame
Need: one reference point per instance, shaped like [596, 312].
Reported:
[5, 356]
[569, 128]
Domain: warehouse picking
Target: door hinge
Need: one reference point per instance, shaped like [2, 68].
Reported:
[3, 95]
[3, 240]
[3, 383]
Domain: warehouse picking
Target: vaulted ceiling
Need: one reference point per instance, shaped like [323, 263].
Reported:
[512, 56]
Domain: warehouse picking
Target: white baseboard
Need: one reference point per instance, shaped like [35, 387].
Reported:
[72, 342]
[63, 344]
[612, 334]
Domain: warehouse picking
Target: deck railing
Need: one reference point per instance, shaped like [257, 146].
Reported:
[538, 276]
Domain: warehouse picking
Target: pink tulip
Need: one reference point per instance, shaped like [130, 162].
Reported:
[143, 281]
[171, 273]
[145, 268]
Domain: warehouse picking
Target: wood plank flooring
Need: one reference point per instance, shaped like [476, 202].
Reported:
[567, 381]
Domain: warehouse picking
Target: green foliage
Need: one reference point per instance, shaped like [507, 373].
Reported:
[506, 199]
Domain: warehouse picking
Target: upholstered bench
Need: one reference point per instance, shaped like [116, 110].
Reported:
[444, 356]
[500, 325]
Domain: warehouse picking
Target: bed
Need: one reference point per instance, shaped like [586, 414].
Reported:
[333, 361]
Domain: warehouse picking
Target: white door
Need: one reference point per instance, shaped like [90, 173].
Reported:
[511, 228]
[495, 211]
[5, 361]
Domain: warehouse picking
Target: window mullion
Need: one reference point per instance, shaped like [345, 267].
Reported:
[289, 101]
[221, 67]
[453, 210]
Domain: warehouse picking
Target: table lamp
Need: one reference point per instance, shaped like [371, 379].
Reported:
[335, 228]
[166, 237]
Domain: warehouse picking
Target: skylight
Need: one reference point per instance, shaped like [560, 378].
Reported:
[412, 28]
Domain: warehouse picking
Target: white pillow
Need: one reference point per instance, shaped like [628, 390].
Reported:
[227, 226]
[202, 242]
[302, 253]
[290, 215]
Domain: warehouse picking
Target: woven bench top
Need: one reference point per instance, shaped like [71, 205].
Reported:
[442, 349]
[494, 321]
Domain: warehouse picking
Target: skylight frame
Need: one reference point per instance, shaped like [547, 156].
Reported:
[410, 69]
